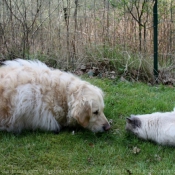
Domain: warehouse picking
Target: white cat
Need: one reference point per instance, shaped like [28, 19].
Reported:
[158, 127]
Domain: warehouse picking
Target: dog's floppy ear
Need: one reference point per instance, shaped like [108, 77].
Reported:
[82, 113]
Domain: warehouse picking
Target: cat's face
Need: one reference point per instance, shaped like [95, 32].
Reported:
[133, 124]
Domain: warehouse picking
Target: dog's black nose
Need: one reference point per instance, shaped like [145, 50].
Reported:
[106, 126]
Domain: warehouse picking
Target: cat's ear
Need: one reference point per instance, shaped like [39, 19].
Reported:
[129, 120]
[135, 122]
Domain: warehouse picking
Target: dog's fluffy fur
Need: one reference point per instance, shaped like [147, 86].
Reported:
[158, 127]
[34, 96]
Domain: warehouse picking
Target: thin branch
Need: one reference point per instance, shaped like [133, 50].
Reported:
[36, 15]
[46, 18]
[12, 12]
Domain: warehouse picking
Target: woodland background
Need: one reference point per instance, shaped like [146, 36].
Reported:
[113, 38]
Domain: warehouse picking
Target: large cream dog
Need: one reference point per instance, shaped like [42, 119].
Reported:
[34, 96]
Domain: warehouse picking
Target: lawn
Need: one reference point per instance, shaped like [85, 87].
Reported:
[83, 152]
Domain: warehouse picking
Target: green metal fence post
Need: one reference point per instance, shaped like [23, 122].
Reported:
[155, 21]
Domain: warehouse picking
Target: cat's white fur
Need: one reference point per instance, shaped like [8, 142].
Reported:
[158, 127]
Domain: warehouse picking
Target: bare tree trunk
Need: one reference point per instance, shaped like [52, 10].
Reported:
[104, 29]
[140, 38]
[66, 17]
[75, 33]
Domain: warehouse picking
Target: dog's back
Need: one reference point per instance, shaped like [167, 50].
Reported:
[27, 89]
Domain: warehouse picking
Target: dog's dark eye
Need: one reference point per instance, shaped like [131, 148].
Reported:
[96, 112]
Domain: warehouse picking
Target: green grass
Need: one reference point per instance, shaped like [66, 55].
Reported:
[86, 153]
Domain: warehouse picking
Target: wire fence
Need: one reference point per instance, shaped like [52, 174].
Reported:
[70, 32]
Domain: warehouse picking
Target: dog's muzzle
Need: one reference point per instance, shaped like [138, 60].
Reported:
[106, 126]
